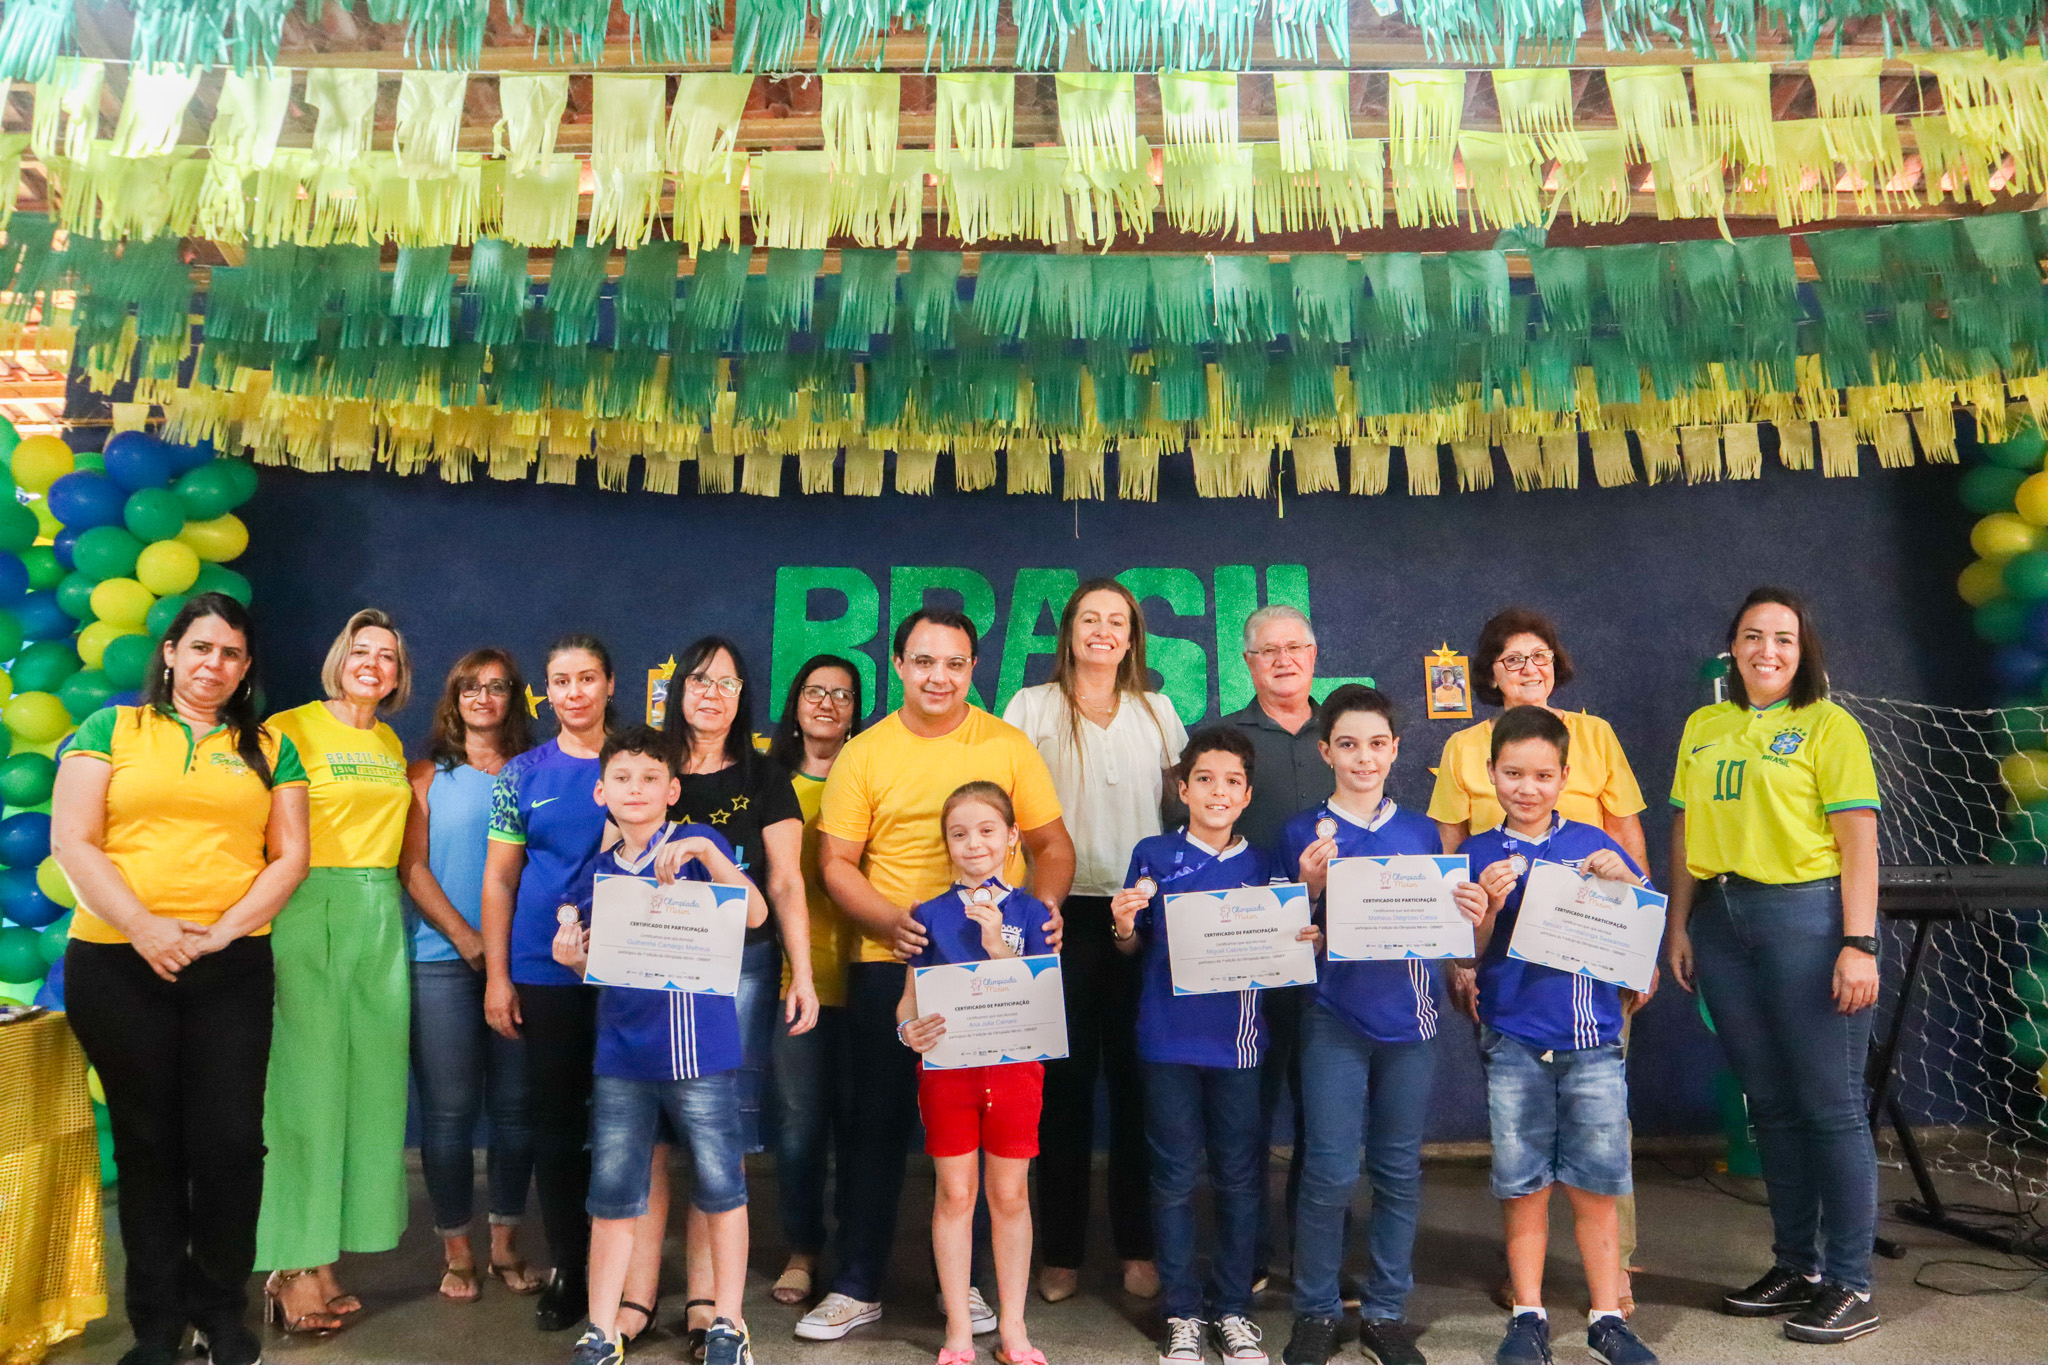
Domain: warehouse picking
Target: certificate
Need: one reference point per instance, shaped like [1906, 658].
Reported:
[685, 936]
[1243, 939]
[1012, 1009]
[1580, 924]
[1388, 909]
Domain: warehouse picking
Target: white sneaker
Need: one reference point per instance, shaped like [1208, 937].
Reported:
[1238, 1338]
[834, 1317]
[1183, 1344]
[981, 1318]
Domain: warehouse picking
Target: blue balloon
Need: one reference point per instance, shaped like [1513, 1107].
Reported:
[2018, 668]
[133, 698]
[22, 901]
[2037, 626]
[185, 459]
[25, 839]
[62, 544]
[137, 460]
[85, 499]
[42, 619]
[13, 580]
[51, 996]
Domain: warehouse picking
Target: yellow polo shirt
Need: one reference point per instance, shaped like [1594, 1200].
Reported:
[185, 818]
[358, 795]
[1757, 788]
[888, 786]
[1599, 784]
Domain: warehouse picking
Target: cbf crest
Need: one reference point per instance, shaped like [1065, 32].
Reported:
[1787, 743]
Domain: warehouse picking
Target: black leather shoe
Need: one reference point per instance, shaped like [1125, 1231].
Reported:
[1779, 1291]
[1389, 1342]
[1313, 1341]
[229, 1343]
[1836, 1314]
[561, 1305]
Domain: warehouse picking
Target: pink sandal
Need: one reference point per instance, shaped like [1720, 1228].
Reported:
[965, 1357]
[1029, 1356]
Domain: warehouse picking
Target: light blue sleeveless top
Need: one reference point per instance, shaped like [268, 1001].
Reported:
[459, 811]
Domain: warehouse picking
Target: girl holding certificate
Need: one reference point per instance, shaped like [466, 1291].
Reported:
[972, 1111]
[1366, 1062]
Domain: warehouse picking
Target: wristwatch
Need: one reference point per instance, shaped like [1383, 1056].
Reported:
[1862, 943]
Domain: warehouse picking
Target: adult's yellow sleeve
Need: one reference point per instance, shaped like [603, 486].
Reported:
[1450, 803]
[1622, 794]
[1842, 767]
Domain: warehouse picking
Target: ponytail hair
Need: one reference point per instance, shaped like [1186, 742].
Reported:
[595, 648]
[238, 712]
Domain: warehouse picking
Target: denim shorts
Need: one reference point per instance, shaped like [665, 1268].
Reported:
[623, 1118]
[1562, 1119]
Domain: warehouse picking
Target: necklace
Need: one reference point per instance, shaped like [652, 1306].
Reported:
[1100, 708]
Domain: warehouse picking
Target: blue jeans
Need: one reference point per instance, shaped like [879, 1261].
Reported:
[1195, 1114]
[1359, 1094]
[463, 1067]
[760, 1007]
[624, 1116]
[809, 1080]
[1765, 956]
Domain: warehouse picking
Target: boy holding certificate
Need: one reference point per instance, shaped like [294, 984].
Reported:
[1366, 1060]
[973, 1111]
[659, 1052]
[1556, 1087]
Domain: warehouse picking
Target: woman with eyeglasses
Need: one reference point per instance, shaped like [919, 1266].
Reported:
[728, 785]
[459, 1064]
[820, 714]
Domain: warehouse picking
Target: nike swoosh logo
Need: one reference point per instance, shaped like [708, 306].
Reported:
[544, 800]
[1695, 749]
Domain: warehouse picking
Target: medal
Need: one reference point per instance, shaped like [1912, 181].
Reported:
[1519, 864]
[1146, 887]
[567, 915]
[1326, 828]
[981, 895]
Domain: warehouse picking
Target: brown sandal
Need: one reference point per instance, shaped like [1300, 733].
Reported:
[465, 1276]
[517, 1276]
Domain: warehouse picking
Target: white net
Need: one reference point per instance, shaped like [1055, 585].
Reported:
[1972, 1066]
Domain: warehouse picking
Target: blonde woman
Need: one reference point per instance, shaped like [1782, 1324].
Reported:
[334, 1112]
[1108, 743]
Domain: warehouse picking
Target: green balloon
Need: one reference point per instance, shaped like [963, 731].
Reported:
[166, 609]
[1990, 488]
[219, 578]
[207, 491]
[2023, 451]
[126, 662]
[18, 527]
[89, 459]
[21, 955]
[1712, 667]
[2026, 576]
[44, 570]
[241, 477]
[10, 635]
[155, 514]
[26, 779]
[2024, 727]
[43, 666]
[74, 596]
[53, 940]
[2030, 984]
[9, 439]
[111, 551]
[2001, 621]
[2029, 1038]
[86, 691]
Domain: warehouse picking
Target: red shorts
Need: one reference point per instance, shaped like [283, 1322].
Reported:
[988, 1108]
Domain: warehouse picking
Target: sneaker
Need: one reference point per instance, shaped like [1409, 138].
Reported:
[1779, 1291]
[1237, 1336]
[1612, 1342]
[1183, 1344]
[981, 1319]
[1313, 1341]
[595, 1348]
[834, 1317]
[1389, 1341]
[158, 1353]
[564, 1303]
[1527, 1341]
[231, 1344]
[726, 1344]
[1837, 1313]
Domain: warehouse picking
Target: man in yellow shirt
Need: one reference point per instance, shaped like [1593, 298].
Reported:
[881, 851]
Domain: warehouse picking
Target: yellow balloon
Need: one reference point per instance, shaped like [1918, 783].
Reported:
[2032, 499]
[218, 540]
[122, 602]
[2003, 535]
[93, 1086]
[37, 717]
[40, 461]
[97, 635]
[2025, 774]
[6, 688]
[52, 882]
[2041, 1081]
[47, 525]
[1982, 581]
[168, 566]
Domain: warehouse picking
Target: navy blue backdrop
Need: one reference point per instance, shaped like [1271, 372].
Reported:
[1641, 580]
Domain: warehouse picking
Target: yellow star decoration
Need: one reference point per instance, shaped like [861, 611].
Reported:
[719, 817]
[739, 803]
[667, 670]
[534, 701]
[1445, 654]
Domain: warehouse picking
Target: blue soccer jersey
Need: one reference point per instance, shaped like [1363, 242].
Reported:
[546, 802]
[1389, 1002]
[1542, 1006]
[647, 1035]
[952, 937]
[1226, 1029]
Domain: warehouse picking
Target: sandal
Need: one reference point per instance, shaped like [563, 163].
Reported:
[793, 1286]
[965, 1357]
[698, 1335]
[463, 1276]
[1030, 1355]
[517, 1276]
[316, 1323]
[628, 1338]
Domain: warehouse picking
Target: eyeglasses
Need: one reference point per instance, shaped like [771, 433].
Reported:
[1515, 663]
[703, 684]
[925, 663]
[1271, 653]
[497, 687]
[818, 696]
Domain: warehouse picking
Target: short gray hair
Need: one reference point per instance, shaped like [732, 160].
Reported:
[1265, 616]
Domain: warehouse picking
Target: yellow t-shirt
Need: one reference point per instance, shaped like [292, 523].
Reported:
[888, 787]
[185, 818]
[833, 938]
[1757, 788]
[1599, 784]
[359, 792]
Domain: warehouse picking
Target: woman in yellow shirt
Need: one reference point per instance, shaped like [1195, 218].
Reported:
[181, 824]
[335, 1116]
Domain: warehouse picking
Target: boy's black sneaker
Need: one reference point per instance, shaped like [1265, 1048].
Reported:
[1613, 1343]
[564, 1303]
[1779, 1291]
[150, 1353]
[1313, 1341]
[1389, 1342]
[1837, 1313]
[229, 1343]
[1527, 1341]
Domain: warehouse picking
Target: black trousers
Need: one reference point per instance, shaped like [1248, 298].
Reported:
[1280, 1080]
[1101, 988]
[183, 1065]
[560, 1028]
[873, 1145]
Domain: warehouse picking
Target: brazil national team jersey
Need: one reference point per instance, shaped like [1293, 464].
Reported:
[1542, 1006]
[662, 1035]
[546, 802]
[1757, 788]
[1221, 1030]
[953, 937]
[1388, 1002]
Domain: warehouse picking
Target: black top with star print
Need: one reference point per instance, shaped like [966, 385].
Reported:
[739, 802]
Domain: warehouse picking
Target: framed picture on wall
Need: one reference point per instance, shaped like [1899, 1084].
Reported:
[1447, 684]
[658, 680]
